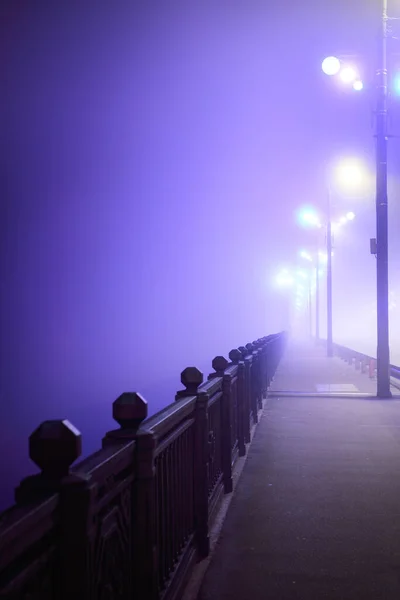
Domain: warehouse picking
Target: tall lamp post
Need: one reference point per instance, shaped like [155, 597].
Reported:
[317, 297]
[314, 273]
[348, 74]
[329, 320]
[308, 217]
[382, 275]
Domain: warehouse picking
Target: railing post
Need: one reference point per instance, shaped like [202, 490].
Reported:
[53, 447]
[247, 389]
[129, 411]
[254, 382]
[144, 550]
[201, 470]
[192, 379]
[220, 364]
[262, 345]
[236, 358]
[259, 362]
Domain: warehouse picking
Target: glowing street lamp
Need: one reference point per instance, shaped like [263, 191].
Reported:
[350, 174]
[309, 218]
[306, 255]
[331, 65]
[348, 75]
[284, 279]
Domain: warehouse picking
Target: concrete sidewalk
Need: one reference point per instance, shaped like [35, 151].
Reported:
[316, 512]
[306, 368]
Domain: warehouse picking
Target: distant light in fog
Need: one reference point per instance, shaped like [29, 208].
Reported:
[348, 75]
[309, 217]
[396, 84]
[331, 65]
[306, 255]
[302, 274]
[350, 174]
[284, 279]
[323, 256]
[358, 85]
[350, 216]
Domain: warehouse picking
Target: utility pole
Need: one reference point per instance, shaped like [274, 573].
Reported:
[329, 340]
[317, 296]
[310, 314]
[382, 274]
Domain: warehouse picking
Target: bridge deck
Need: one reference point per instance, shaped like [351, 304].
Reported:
[316, 512]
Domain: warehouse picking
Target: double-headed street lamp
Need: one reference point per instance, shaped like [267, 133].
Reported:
[348, 74]
[310, 218]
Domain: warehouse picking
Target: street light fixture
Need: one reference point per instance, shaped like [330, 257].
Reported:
[347, 173]
[381, 241]
[346, 72]
[348, 75]
[331, 65]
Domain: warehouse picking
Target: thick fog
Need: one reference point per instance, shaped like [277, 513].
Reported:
[155, 156]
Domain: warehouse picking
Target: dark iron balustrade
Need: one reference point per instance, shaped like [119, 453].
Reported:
[131, 520]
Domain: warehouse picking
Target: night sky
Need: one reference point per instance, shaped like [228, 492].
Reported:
[154, 157]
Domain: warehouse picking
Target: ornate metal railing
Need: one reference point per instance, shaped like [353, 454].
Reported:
[131, 520]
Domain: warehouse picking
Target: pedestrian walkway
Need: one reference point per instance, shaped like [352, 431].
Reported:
[316, 511]
[306, 368]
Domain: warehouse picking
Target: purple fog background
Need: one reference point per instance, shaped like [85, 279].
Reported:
[154, 158]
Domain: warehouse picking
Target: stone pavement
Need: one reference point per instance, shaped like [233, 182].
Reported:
[316, 511]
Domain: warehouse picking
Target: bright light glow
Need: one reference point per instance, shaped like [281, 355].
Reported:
[284, 279]
[348, 75]
[358, 85]
[331, 65]
[323, 257]
[309, 217]
[396, 84]
[343, 220]
[335, 227]
[305, 255]
[350, 174]
[302, 274]
[350, 216]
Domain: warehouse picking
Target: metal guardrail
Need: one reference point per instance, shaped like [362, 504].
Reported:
[362, 361]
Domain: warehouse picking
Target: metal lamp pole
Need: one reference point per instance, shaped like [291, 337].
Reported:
[382, 275]
[310, 314]
[317, 297]
[329, 339]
